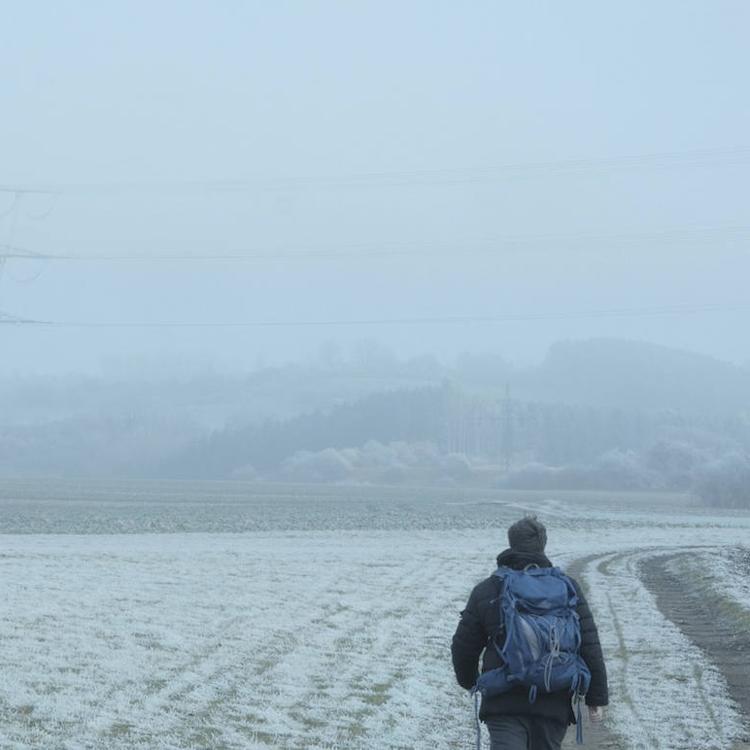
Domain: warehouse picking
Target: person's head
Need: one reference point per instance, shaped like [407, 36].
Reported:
[528, 535]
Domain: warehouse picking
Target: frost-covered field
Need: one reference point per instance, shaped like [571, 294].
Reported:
[324, 622]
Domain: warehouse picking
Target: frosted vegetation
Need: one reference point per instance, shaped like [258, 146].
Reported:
[725, 572]
[324, 620]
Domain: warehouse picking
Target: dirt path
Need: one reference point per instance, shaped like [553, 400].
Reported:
[701, 613]
[595, 736]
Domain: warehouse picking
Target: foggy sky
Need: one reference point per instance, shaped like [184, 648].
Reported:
[348, 130]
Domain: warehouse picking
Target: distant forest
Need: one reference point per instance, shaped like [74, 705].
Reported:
[503, 432]
[593, 414]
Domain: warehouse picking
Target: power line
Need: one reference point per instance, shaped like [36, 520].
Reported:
[447, 175]
[24, 190]
[476, 246]
[8, 319]
[665, 311]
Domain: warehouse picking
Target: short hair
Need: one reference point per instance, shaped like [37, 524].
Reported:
[528, 535]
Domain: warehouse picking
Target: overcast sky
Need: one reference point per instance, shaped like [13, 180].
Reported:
[431, 160]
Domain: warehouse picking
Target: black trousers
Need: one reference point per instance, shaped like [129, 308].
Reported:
[525, 733]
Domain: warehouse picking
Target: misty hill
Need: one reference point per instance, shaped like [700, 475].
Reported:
[585, 398]
[636, 375]
[207, 400]
[599, 372]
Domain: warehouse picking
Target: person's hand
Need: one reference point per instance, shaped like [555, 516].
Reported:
[596, 714]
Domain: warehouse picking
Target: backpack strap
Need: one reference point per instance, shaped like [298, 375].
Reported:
[501, 574]
[579, 720]
[476, 719]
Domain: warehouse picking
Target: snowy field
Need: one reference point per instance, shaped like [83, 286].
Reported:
[171, 615]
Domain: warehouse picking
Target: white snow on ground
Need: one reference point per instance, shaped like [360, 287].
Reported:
[282, 640]
[318, 639]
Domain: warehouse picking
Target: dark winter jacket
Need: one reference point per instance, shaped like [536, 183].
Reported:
[480, 621]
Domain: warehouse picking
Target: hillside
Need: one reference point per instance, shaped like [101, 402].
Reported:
[635, 374]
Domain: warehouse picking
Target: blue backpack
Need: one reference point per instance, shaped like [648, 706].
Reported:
[542, 637]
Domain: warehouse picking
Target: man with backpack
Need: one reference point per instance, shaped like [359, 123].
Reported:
[540, 643]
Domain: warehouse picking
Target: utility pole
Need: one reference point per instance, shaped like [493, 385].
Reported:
[507, 428]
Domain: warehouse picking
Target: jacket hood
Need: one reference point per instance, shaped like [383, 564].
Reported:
[511, 558]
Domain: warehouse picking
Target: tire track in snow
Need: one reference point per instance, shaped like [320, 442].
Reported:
[653, 663]
[702, 616]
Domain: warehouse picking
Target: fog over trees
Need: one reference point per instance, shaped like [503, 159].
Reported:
[597, 414]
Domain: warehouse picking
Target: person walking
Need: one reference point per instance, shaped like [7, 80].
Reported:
[516, 718]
